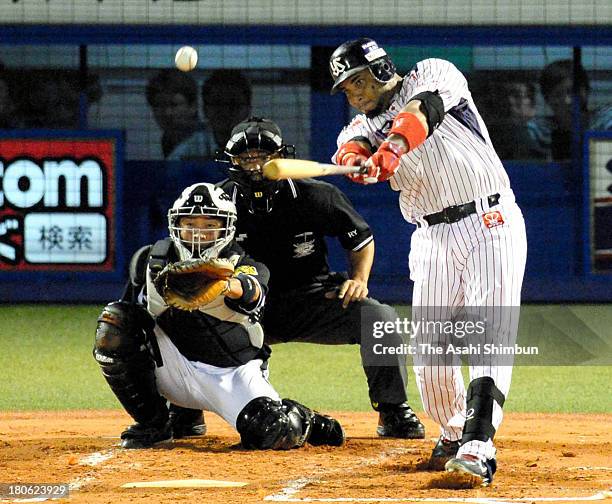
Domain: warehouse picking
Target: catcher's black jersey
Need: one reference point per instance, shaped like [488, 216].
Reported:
[290, 240]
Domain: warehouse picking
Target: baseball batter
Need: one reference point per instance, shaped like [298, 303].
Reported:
[423, 133]
[209, 355]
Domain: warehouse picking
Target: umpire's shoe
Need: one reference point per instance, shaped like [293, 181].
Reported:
[399, 421]
[442, 453]
[470, 464]
[139, 436]
[186, 422]
[326, 431]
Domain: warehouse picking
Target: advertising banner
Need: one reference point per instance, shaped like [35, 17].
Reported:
[599, 202]
[59, 205]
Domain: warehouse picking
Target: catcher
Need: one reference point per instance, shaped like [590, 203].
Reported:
[186, 330]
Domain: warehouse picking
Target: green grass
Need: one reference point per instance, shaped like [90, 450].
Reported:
[46, 363]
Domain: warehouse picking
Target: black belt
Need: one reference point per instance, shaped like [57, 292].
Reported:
[456, 213]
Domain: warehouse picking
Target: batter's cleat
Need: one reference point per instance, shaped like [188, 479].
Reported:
[139, 436]
[186, 422]
[326, 431]
[472, 465]
[399, 421]
[444, 450]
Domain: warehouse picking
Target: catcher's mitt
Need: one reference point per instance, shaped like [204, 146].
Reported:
[191, 284]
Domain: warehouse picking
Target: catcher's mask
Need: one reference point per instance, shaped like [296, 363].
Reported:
[354, 56]
[254, 142]
[206, 242]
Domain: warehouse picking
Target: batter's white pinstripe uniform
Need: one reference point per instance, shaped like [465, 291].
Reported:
[477, 261]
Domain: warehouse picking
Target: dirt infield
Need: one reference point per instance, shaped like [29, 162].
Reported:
[566, 457]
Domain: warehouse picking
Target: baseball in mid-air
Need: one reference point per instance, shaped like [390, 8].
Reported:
[186, 58]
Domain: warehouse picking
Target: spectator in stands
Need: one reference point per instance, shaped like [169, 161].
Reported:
[514, 108]
[173, 98]
[61, 103]
[553, 134]
[7, 105]
[226, 99]
[50, 99]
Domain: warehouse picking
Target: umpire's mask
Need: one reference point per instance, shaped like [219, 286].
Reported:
[252, 144]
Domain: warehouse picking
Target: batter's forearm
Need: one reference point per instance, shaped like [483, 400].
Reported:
[413, 107]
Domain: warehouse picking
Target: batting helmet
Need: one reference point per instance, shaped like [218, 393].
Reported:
[355, 55]
[263, 136]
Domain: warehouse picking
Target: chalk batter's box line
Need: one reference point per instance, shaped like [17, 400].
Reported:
[476, 500]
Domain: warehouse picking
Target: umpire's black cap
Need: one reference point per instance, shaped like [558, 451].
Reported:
[254, 133]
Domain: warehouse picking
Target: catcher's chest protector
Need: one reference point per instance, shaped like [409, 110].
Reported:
[231, 338]
[160, 255]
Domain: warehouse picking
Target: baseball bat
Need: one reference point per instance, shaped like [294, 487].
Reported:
[281, 168]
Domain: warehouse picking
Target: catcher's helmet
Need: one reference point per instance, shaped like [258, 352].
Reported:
[264, 138]
[210, 201]
[355, 55]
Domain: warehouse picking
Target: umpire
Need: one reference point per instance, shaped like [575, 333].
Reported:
[283, 225]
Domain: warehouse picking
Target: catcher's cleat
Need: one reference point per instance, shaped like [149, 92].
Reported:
[140, 436]
[326, 431]
[470, 464]
[186, 422]
[399, 421]
[442, 453]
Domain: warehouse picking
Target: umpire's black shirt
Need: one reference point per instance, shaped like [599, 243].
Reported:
[290, 239]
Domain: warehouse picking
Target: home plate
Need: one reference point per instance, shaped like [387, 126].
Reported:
[191, 483]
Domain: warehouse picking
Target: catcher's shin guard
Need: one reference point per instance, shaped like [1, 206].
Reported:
[265, 424]
[126, 363]
[324, 430]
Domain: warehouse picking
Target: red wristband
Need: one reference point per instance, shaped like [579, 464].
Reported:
[408, 126]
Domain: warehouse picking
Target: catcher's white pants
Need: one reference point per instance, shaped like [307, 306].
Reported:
[467, 264]
[224, 391]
